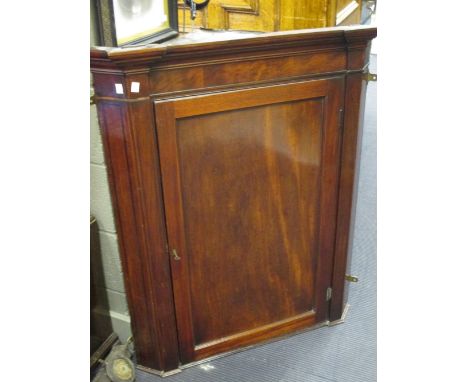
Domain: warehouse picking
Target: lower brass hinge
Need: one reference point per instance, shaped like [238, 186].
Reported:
[368, 76]
[352, 279]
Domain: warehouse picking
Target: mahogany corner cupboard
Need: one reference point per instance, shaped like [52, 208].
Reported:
[233, 168]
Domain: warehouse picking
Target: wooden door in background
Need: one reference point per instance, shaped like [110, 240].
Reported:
[246, 15]
[250, 190]
[272, 15]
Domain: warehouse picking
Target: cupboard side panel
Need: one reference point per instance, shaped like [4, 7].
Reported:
[330, 182]
[149, 200]
[132, 160]
[352, 132]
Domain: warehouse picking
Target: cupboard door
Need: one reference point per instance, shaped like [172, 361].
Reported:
[250, 183]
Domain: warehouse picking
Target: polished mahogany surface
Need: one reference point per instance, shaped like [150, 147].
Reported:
[250, 175]
[250, 181]
[232, 170]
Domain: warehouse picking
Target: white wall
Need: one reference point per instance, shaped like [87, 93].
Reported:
[109, 283]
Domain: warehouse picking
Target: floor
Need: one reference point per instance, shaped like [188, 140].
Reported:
[342, 353]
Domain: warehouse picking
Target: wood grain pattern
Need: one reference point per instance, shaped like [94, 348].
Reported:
[132, 156]
[244, 139]
[303, 14]
[348, 12]
[250, 196]
[247, 175]
[268, 15]
[246, 15]
[249, 71]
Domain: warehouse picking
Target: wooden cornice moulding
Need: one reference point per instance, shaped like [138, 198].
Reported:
[124, 58]
[128, 58]
[318, 51]
[361, 33]
[233, 171]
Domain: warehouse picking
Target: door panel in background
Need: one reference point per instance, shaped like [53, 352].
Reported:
[271, 15]
[246, 15]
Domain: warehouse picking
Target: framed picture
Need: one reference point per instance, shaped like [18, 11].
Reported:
[135, 22]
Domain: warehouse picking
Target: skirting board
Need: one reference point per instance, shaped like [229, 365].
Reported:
[182, 367]
[158, 372]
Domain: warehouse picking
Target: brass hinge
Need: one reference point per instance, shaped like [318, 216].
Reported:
[368, 76]
[352, 279]
[92, 100]
[329, 293]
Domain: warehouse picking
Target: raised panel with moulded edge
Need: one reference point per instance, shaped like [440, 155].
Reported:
[250, 180]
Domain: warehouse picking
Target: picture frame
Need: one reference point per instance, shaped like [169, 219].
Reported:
[136, 22]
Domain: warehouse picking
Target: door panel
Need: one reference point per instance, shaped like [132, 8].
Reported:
[250, 181]
[246, 15]
[270, 15]
[242, 184]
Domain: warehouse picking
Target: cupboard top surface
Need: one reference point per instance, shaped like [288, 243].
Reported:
[149, 53]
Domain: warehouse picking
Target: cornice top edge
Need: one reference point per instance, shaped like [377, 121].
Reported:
[143, 55]
[121, 56]
[360, 33]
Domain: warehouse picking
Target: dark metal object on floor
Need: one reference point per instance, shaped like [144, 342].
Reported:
[118, 366]
[104, 349]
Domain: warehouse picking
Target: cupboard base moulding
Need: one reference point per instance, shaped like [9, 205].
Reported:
[283, 337]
